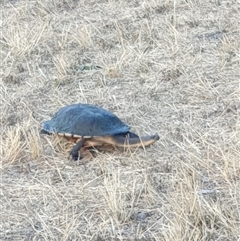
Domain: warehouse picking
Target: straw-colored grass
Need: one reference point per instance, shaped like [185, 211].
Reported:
[166, 67]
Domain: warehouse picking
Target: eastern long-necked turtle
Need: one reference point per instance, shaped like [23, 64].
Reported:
[91, 126]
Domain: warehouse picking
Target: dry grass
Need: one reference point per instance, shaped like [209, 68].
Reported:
[170, 67]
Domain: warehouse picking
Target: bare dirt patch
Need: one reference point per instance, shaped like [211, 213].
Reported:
[170, 67]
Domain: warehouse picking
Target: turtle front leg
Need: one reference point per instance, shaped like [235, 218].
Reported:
[75, 150]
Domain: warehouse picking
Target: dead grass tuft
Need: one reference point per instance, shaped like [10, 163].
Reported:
[13, 147]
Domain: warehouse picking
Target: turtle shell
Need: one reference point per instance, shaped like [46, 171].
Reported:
[85, 120]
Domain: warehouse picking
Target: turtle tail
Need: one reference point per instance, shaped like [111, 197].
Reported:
[133, 140]
[45, 132]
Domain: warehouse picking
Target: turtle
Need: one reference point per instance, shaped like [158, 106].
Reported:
[91, 126]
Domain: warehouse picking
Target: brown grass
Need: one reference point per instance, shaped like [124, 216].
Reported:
[170, 67]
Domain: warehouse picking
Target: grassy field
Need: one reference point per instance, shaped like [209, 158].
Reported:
[166, 67]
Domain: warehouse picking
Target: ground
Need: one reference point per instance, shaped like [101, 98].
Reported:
[166, 67]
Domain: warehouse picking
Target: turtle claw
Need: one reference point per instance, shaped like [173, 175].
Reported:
[74, 156]
[83, 155]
